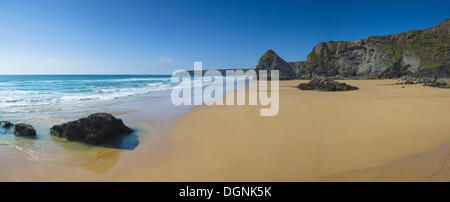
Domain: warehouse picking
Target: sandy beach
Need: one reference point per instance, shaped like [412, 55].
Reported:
[381, 132]
[120, 91]
[315, 135]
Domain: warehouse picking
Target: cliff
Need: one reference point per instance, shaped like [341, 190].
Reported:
[298, 67]
[420, 53]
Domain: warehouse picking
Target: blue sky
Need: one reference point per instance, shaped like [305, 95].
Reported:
[158, 37]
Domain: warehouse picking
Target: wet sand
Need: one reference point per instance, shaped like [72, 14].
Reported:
[334, 136]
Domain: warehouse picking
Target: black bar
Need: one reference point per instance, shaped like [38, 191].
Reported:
[228, 190]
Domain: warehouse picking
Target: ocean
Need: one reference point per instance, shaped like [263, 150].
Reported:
[37, 94]
[47, 100]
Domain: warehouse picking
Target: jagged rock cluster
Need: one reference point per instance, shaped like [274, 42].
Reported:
[325, 84]
[406, 80]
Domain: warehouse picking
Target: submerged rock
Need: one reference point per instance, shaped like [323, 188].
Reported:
[5, 124]
[22, 129]
[95, 129]
[325, 84]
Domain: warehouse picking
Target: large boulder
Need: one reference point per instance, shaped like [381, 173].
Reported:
[95, 129]
[271, 61]
[325, 84]
[22, 129]
[5, 124]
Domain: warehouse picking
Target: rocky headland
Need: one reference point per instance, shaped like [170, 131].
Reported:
[416, 53]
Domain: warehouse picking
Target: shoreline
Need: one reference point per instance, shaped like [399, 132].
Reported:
[152, 120]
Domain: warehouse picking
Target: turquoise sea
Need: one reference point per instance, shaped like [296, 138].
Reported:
[46, 100]
[49, 93]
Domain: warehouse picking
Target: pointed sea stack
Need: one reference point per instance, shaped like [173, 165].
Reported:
[271, 61]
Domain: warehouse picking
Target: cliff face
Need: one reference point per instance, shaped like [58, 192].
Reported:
[298, 67]
[271, 61]
[423, 53]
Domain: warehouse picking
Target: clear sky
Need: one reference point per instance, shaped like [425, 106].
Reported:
[158, 37]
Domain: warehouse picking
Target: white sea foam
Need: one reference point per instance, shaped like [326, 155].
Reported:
[60, 94]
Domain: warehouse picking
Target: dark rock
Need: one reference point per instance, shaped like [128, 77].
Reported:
[433, 82]
[298, 67]
[325, 84]
[95, 129]
[21, 129]
[271, 61]
[305, 86]
[5, 124]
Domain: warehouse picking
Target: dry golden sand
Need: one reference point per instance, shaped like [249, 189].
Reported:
[380, 132]
[315, 135]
